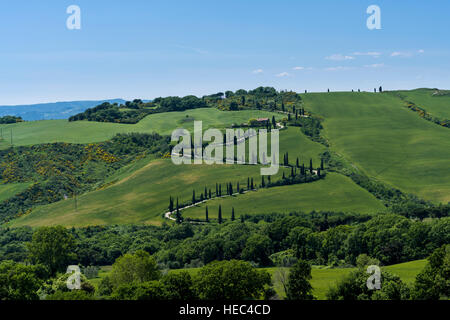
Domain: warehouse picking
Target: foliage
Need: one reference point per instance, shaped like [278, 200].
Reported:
[354, 287]
[133, 111]
[433, 283]
[19, 281]
[53, 247]
[134, 268]
[10, 119]
[298, 286]
[231, 280]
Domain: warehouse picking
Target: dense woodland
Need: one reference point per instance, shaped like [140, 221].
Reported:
[226, 252]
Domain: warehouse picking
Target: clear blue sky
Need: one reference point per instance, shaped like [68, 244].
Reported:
[145, 49]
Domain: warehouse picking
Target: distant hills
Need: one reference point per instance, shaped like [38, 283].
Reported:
[56, 110]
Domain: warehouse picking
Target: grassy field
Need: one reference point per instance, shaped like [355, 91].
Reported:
[322, 278]
[139, 193]
[11, 189]
[438, 106]
[142, 196]
[47, 131]
[387, 141]
[334, 193]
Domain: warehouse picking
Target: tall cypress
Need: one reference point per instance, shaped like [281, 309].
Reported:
[232, 214]
[206, 214]
[220, 214]
[321, 164]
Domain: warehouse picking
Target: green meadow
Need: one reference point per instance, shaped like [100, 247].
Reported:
[142, 196]
[387, 141]
[48, 131]
[436, 105]
[11, 189]
[334, 193]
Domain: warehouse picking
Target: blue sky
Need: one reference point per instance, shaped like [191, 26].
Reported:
[145, 49]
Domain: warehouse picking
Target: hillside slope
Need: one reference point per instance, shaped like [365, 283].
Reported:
[37, 132]
[387, 141]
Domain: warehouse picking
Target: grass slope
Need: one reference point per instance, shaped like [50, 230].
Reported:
[142, 196]
[139, 193]
[386, 140]
[436, 105]
[11, 189]
[48, 131]
[334, 193]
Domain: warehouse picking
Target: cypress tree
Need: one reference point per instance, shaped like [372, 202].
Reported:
[220, 214]
[178, 217]
[232, 214]
[297, 164]
[248, 183]
[220, 190]
[292, 172]
[251, 184]
[171, 204]
[310, 166]
[238, 189]
[231, 189]
[206, 214]
[217, 190]
[321, 164]
[263, 183]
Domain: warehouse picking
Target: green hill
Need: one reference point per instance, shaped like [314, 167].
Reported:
[334, 193]
[387, 141]
[48, 131]
[435, 102]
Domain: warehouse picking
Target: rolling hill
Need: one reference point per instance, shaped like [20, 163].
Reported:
[387, 141]
[37, 132]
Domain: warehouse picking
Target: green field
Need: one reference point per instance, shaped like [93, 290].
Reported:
[136, 198]
[436, 105]
[48, 131]
[322, 278]
[387, 141]
[11, 189]
[334, 193]
[142, 196]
